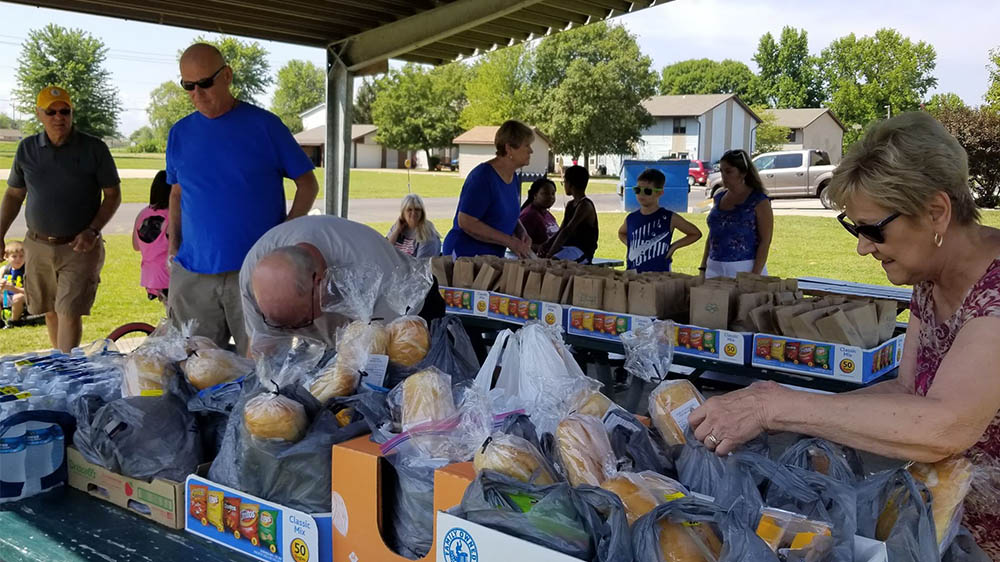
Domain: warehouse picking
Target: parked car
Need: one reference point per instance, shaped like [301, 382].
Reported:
[795, 173]
[698, 172]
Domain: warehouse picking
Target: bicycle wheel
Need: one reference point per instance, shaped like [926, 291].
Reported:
[130, 336]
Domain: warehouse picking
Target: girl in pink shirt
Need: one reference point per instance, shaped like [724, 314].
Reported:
[149, 237]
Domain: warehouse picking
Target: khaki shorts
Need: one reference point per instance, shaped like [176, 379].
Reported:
[213, 301]
[58, 279]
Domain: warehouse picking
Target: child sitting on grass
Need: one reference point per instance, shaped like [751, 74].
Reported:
[12, 280]
[647, 232]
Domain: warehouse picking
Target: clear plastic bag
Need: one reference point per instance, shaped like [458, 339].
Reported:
[423, 397]
[148, 366]
[585, 453]
[352, 290]
[209, 367]
[285, 360]
[649, 351]
[670, 404]
[819, 498]
[633, 445]
[687, 529]
[409, 340]
[408, 285]
[515, 457]
[948, 481]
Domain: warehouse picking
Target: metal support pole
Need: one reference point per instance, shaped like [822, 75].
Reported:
[337, 159]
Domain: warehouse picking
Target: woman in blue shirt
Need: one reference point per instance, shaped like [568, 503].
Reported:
[740, 224]
[486, 221]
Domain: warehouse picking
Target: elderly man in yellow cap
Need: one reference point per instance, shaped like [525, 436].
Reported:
[74, 190]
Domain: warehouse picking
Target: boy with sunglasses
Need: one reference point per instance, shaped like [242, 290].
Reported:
[647, 232]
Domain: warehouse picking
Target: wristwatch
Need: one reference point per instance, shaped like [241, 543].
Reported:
[97, 233]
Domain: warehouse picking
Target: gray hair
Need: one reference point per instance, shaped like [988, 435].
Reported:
[301, 263]
[425, 229]
[901, 163]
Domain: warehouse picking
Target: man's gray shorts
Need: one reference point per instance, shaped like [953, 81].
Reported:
[212, 300]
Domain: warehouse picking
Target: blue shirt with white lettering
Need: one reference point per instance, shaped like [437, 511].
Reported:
[231, 170]
[649, 240]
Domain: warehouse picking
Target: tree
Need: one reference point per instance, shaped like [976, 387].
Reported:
[301, 85]
[6, 122]
[863, 76]
[498, 88]
[362, 114]
[418, 109]
[74, 60]
[248, 59]
[789, 77]
[942, 102]
[770, 135]
[706, 76]
[587, 90]
[168, 104]
[978, 131]
[144, 139]
[992, 96]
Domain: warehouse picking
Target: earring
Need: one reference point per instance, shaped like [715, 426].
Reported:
[938, 239]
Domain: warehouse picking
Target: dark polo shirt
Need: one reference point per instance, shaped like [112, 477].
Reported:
[64, 182]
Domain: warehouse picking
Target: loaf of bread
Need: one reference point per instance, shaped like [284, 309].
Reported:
[273, 416]
[593, 403]
[426, 396]
[145, 372]
[637, 499]
[409, 340]
[584, 450]
[363, 336]
[209, 367]
[681, 543]
[515, 457]
[949, 482]
[337, 379]
[670, 403]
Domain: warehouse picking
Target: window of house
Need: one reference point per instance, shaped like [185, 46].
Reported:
[792, 135]
[680, 126]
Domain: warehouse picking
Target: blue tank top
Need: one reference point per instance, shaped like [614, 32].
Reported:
[733, 234]
[648, 240]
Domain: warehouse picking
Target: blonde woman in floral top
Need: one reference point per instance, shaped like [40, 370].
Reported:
[905, 193]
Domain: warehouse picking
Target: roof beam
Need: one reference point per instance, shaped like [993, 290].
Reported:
[397, 38]
[583, 8]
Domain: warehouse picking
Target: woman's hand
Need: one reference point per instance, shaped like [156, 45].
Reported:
[520, 247]
[727, 421]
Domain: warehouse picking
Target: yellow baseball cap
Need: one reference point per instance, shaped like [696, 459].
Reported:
[51, 94]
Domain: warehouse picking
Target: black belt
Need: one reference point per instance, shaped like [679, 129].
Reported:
[54, 240]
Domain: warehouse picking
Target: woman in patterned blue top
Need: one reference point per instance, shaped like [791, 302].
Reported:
[740, 223]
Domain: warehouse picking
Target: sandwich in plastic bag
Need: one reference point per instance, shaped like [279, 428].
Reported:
[514, 457]
[685, 529]
[208, 367]
[894, 508]
[409, 340]
[948, 481]
[819, 498]
[670, 404]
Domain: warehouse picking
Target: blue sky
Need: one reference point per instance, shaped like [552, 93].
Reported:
[143, 55]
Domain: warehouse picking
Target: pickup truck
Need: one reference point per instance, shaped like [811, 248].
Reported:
[795, 173]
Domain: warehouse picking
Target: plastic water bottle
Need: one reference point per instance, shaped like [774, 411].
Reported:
[38, 450]
[12, 448]
[58, 440]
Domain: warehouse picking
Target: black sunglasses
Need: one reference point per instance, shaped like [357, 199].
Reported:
[872, 232]
[63, 111]
[649, 190]
[305, 323]
[204, 83]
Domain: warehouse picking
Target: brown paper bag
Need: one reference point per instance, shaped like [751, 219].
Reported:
[837, 328]
[762, 319]
[533, 285]
[567, 292]
[673, 301]
[864, 317]
[789, 285]
[552, 287]
[712, 306]
[783, 316]
[441, 268]
[513, 279]
[486, 278]
[887, 313]
[588, 292]
[748, 302]
[643, 299]
[804, 325]
[615, 296]
[464, 273]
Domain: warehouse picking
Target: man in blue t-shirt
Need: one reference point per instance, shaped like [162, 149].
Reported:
[226, 163]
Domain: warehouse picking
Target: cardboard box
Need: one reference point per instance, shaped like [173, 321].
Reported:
[460, 540]
[297, 536]
[357, 471]
[520, 311]
[720, 345]
[825, 359]
[160, 500]
[602, 325]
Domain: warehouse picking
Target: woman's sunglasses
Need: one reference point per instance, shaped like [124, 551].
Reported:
[204, 83]
[872, 232]
[63, 111]
[648, 190]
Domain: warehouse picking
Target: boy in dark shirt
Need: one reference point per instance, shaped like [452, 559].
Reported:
[577, 238]
[647, 232]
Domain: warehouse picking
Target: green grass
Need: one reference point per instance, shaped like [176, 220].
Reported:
[803, 246]
[123, 160]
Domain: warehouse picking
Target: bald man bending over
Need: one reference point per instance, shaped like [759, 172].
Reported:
[281, 280]
[226, 163]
